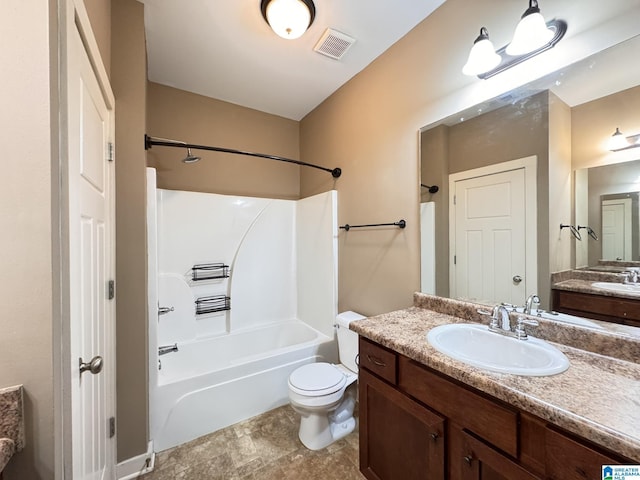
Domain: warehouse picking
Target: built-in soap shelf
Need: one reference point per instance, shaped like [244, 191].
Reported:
[212, 304]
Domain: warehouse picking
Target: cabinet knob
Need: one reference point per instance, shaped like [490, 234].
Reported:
[468, 459]
[434, 436]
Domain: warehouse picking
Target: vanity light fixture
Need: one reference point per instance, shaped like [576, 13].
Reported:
[288, 18]
[532, 37]
[531, 32]
[619, 142]
[482, 57]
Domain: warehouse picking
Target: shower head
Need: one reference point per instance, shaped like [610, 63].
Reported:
[190, 158]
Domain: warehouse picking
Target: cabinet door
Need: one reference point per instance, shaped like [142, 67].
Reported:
[472, 459]
[399, 438]
[568, 459]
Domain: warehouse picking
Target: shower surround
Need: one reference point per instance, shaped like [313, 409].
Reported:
[281, 288]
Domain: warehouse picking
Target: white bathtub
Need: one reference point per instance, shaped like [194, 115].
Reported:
[211, 384]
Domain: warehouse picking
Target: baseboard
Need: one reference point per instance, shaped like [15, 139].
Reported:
[136, 466]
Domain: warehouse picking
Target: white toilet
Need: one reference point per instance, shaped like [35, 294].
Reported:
[318, 391]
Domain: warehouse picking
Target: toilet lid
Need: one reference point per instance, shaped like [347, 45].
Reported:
[317, 379]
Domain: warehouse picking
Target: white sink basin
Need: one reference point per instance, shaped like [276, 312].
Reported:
[475, 345]
[618, 287]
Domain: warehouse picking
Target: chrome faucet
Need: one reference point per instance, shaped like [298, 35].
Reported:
[501, 322]
[164, 349]
[531, 300]
[499, 318]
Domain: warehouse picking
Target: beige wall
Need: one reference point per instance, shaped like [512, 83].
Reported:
[129, 80]
[26, 322]
[191, 118]
[99, 12]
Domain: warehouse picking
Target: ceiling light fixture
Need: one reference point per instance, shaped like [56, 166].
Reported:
[619, 142]
[532, 37]
[288, 18]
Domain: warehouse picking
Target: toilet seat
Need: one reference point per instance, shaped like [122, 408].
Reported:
[317, 379]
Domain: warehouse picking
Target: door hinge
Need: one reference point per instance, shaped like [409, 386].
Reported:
[454, 199]
[455, 258]
[112, 427]
[111, 290]
[110, 152]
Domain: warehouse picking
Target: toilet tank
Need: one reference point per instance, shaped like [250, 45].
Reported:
[348, 339]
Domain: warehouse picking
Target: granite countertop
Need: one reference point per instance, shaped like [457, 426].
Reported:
[581, 281]
[11, 423]
[596, 398]
[585, 286]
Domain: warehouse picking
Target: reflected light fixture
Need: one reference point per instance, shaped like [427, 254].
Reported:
[532, 37]
[619, 142]
[288, 18]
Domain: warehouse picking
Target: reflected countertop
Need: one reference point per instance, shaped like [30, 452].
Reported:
[596, 398]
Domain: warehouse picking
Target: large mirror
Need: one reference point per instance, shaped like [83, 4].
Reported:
[560, 126]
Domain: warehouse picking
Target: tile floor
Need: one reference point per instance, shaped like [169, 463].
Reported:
[262, 448]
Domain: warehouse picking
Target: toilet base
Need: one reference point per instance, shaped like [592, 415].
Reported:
[320, 428]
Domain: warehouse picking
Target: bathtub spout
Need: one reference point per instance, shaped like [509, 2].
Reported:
[163, 350]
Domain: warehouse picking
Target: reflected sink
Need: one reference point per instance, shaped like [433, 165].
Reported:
[618, 287]
[563, 317]
[475, 345]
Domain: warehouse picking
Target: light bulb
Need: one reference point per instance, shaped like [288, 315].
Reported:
[288, 18]
[531, 32]
[482, 57]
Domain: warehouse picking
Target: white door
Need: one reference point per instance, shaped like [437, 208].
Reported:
[490, 219]
[616, 229]
[91, 264]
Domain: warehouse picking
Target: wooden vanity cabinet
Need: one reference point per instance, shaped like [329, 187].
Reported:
[598, 307]
[416, 423]
[404, 440]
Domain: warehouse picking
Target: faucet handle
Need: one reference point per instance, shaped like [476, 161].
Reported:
[521, 333]
[495, 318]
[509, 306]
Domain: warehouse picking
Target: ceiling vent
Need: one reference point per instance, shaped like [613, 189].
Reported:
[334, 44]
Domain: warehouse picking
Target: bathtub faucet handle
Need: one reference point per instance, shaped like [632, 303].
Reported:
[165, 310]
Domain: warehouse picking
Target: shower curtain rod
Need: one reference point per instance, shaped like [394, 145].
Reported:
[150, 141]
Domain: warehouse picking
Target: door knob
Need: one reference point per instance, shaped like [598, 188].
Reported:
[517, 279]
[94, 366]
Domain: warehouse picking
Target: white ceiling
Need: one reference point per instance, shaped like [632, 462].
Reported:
[225, 50]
